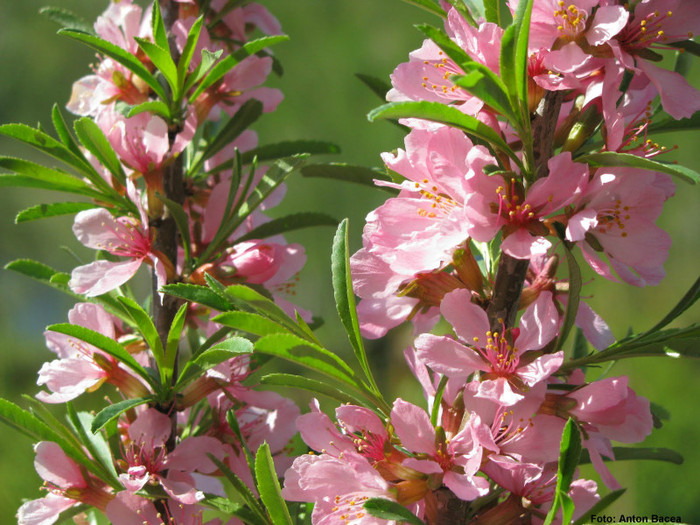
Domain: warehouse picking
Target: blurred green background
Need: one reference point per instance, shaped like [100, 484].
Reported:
[331, 40]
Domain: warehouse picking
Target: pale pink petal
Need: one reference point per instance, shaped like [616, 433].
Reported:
[499, 391]
[521, 244]
[539, 324]
[193, 454]
[580, 223]
[678, 97]
[467, 319]
[464, 487]
[52, 464]
[151, 428]
[357, 419]
[541, 368]
[68, 378]
[412, 426]
[129, 509]
[180, 486]
[594, 328]
[100, 277]
[44, 511]
[607, 22]
[135, 478]
[446, 356]
[97, 229]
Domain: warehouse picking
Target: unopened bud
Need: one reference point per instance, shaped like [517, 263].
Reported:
[468, 270]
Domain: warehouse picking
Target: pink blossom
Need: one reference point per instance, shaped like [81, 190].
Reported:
[81, 367]
[616, 217]
[122, 236]
[508, 373]
[148, 460]
[456, 461]
[66, 487]
[129, 509]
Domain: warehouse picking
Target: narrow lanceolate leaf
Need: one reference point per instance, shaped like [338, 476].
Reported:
[379, 86]
[269, 487]
[573, 300]
[668, 124]
[494, 12]
[44, 274]
[31, 426]
[612, 159]
[46, 144]
[125, 58]
[160, 57]
[182, 221]
[91, 136]
[304, 353]
[569, 457]
[289, 223]
[198, 294]
[173, 341]
[67, 19]
[597, 509]
[346, 173]
[103, 343]
[260, 518]
[250, 322]
[46, 178]
[449, 115]
[160, 34]
[42, 211]
[285, 149]
[444, 42]
[157, 107]
[227, 349]
[95, 443]
[248, 113]
[636, 453]
[148, 330]
[345, 297]
[484, 84]
[429, 6]
[391, 510]
[688, 300]
[111, 412]
[63, 132]
[231, 61]
[330, 389]
[189, 49]
[521, 21]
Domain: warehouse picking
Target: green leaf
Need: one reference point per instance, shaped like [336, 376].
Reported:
[250, 322]
[603, 503]
[305, 353]
[91, 136]
[160, 34]
[113, 411]
[198, 294]
[157, 107]
[612, 159]
[636, 453]
[391, 510]
[346, 173]
[289, 223]
[569, 458]
[686, 302]
[36, 175]
[31, 426]
[231, 61]
[285, 149]
[378, 86]
[103, 343]
[507, 60]
[173, 341]
[245, 297]
[446, 44]
[493, 11]
[148, 330]
[207, 61]
[688, 45]
[461, 7]
[345, 298]
[236, 428]
[573, 299]
[316, 386]
[125, 58]
[160, 57]
[667, 124]
[95, 443]
[521, 22]
[449, 115]
[189, 49]
[183, 224]
[42, 211]
[66, 19]
[248, 113]
[242, 489]
[64, 134]
[228, 349]
[269, 487]
[48, 145]
[428, 6]
[481, 82]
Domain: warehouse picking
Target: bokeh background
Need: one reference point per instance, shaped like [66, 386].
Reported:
[331, 41]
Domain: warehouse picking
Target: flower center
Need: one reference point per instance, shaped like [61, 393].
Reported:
[571, 21]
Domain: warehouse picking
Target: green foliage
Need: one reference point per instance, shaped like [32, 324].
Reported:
[612, 159]
[569, 457]
[42, 211]
[269, 487]
[391, 510]
[113, 411]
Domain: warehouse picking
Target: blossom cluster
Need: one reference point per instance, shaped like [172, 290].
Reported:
[498, 394]
[163, 467]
